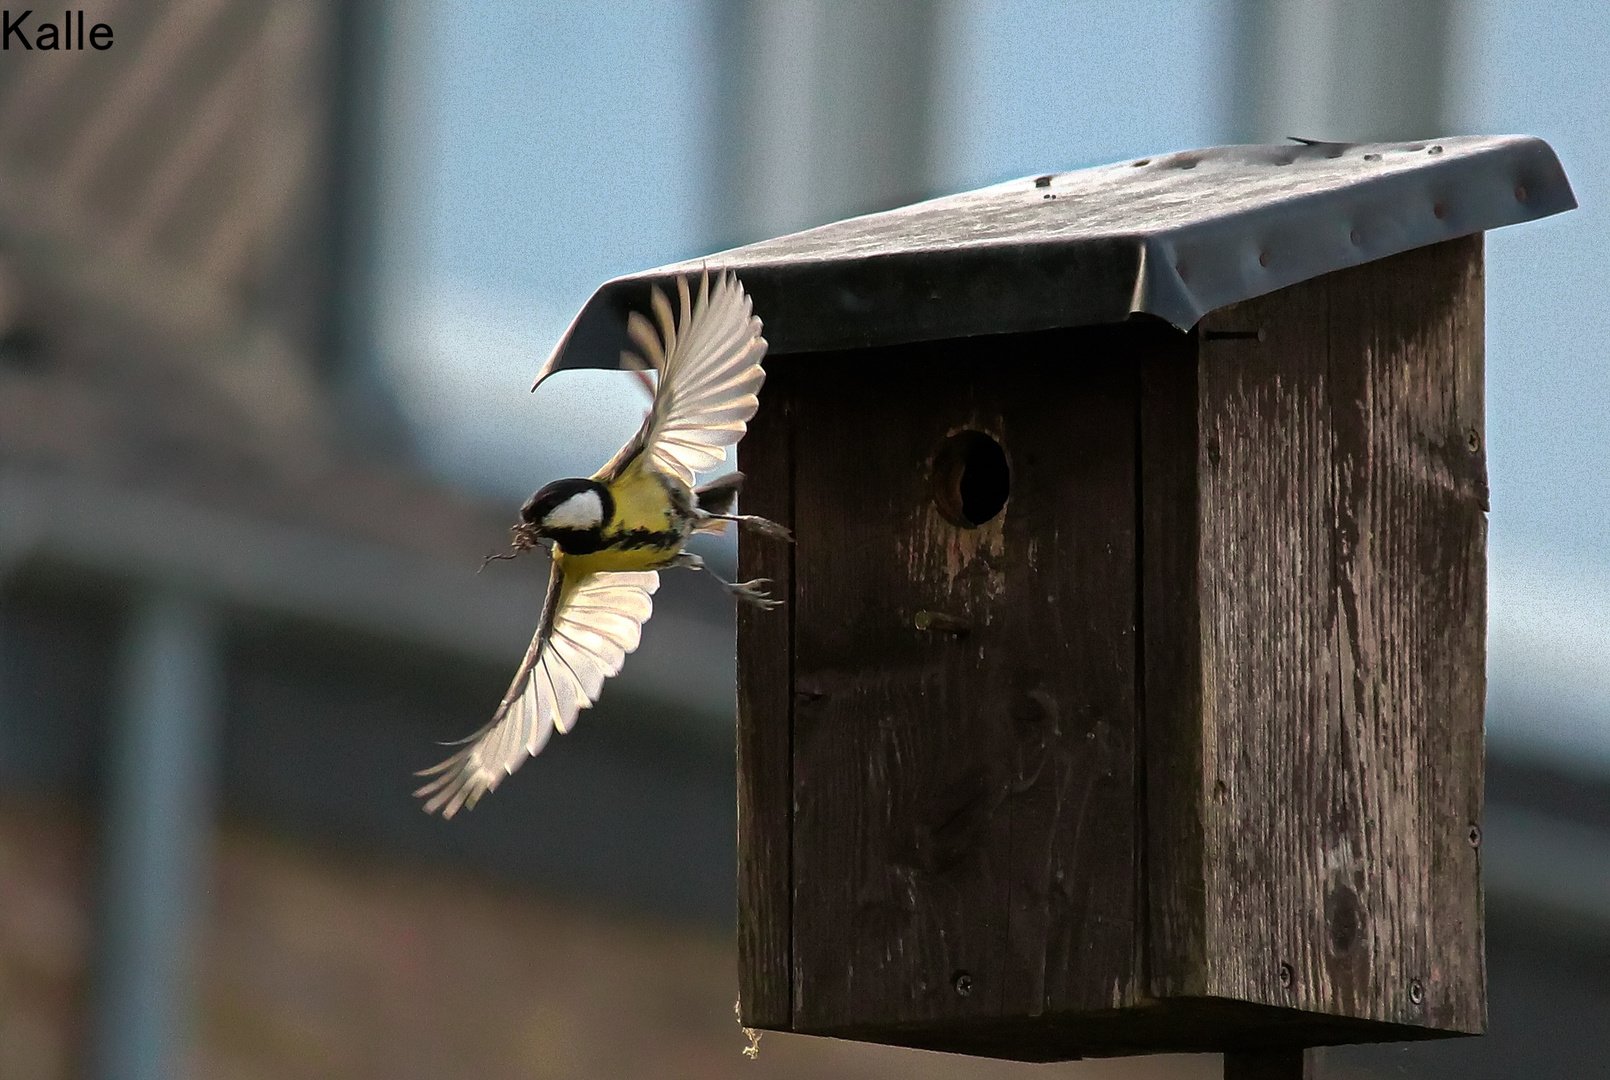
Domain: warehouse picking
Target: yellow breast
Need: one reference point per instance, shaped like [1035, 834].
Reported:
[642, 502]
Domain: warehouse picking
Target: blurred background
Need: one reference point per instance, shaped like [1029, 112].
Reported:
[274, 278]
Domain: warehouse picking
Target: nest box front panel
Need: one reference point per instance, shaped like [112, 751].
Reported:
[964, 681]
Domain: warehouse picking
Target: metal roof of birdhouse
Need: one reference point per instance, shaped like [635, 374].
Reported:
[1174, 236]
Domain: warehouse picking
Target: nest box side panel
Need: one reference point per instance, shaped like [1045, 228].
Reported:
[1408, 352]
[1342, 498]
[765, 719]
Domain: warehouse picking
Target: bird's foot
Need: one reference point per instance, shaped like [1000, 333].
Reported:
[748, 592]
[751, 592]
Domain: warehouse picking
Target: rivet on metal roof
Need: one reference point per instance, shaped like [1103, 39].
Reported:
[1263, 258]
[1372, 157]
[1520, 192]
[1353, 236]
[1434, 150]
[1440, 210]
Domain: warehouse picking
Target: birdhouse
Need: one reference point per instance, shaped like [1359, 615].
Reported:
[1128, 694]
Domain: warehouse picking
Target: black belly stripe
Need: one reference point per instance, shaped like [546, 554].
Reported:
[635, 539]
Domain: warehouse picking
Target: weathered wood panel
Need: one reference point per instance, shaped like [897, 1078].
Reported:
[1342, 613]
[1171, 653]
[1406, 359]
[1265, 489]
[964, 836]
[765, 720]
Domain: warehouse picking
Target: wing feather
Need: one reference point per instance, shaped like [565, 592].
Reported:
[708, 355]
[643, 334]
[589, 625]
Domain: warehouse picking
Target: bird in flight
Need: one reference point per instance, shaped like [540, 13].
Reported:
[612, 533]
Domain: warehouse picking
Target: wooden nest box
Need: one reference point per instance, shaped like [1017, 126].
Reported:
[1128, 696]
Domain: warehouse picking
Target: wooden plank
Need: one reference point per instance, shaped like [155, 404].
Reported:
[1411, 582]
[1342, 562]
[1266, 623]
[1172, 658]
[1461, 915]
[964, 844]
[765, 719]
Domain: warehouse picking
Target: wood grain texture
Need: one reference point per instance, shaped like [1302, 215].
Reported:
[1343, 643]
[964, 835]
[1176, 894]
[765, 720]
[1411, 531]
[1265, 494]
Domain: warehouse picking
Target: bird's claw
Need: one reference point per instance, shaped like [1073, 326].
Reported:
[751, 592]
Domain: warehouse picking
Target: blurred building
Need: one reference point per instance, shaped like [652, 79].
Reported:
[236, 612]
[235, 616]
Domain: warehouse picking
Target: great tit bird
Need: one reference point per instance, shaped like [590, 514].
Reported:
[611, 533]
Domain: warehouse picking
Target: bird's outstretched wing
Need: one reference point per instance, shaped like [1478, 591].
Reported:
[708, 361]
[589, 624]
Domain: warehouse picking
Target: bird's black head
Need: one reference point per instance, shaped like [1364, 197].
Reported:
[572, 513]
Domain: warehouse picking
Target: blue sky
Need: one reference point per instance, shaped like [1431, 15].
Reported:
[1542, 72]
[540, 149]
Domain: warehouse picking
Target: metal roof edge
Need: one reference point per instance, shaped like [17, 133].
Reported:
[818, 296]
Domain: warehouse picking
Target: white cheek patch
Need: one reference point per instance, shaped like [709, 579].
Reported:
[581, 511]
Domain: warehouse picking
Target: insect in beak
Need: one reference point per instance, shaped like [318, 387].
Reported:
[525, 537]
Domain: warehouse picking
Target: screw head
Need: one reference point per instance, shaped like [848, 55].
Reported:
[1473, 440]
[1417, 993]
[1287, 976]
[963, 982]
